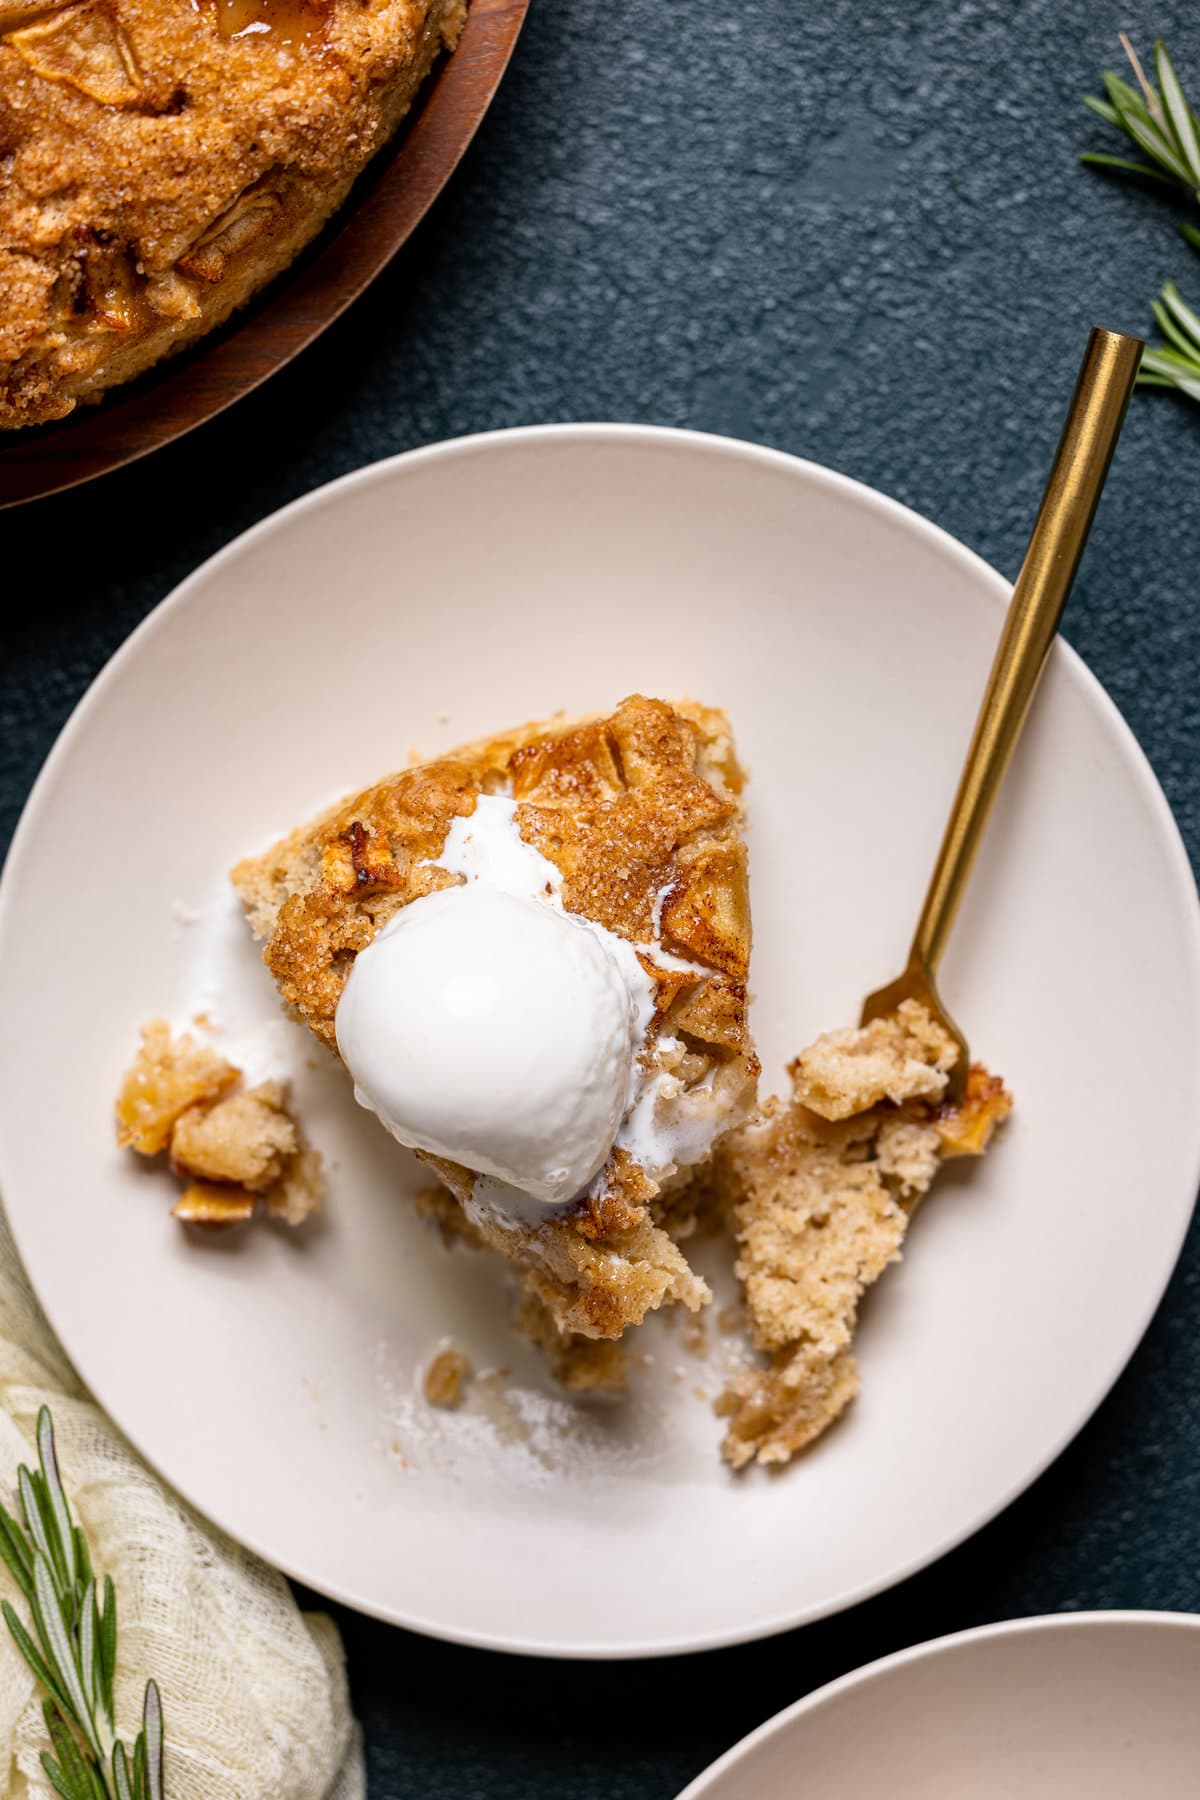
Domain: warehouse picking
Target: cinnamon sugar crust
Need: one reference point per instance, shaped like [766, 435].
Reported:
[640, 812]
[819, 1191]
[160, 160]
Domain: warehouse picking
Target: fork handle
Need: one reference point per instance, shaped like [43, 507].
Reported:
[1093, 423]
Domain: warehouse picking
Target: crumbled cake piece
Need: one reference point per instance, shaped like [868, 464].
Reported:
[233, 1146]
[577, 1285]
[247, 1137]
[167, 1077]
[300, 1188]
[776, 1411]
[446, 1377]
[582, 1365]
[819, 1198]
[904, 1056]
[640, 813]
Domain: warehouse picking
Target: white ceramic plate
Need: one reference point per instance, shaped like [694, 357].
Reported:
[272, 1377]
[1083, 1706]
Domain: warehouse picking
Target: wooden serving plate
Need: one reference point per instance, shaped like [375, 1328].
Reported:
[297, 308]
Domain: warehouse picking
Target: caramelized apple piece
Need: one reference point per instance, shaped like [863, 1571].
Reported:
[359, 861]
[15, 13]
[109, 292]
[166, 1080]
[88, 49]
[966, 1129]
[247, 219]
[214, 1205]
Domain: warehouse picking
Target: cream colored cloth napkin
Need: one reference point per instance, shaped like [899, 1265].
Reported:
[254, 1692]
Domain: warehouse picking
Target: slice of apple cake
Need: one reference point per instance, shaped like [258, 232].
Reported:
[626, 826]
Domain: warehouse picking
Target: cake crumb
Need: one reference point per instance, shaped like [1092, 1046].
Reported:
[446, 1377]
[582, 1365]
[230, 1145]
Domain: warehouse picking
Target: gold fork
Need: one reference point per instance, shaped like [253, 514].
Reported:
[1093, 424]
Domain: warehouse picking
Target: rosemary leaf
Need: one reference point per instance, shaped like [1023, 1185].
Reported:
[153, 1728]
[1098, 160]
[75, 1657]
[1175, 303]
[1170, 329]
[83, 1557]
[88, 1660]
[1150, 139]
[1174, 370]
[14, 1553]
[1160, 121]
[29, 1488]
[34, 1658]
[63, 1531]
[58, 1780]
[70, 1758]
[56, 1641]
[1102, 110]
[1124, 98]
[1178, 112]
[108, 1645]
[120, 1769]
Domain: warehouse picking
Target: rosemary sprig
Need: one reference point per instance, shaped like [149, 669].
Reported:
[73, 1648]
[1176, 362]
[1160, 121]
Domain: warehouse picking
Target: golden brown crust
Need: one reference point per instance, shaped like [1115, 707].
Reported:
[640, 813]
[160, 160]
[820, 1202]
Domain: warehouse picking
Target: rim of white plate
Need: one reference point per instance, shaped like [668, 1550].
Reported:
[1065, 1622]
[1074, 669]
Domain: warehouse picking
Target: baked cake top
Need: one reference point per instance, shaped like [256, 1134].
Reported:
[145, 145]
[640, 814]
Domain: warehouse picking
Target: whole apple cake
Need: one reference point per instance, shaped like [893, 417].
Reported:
[160, 160]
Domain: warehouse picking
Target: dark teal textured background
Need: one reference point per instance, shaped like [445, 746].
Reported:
[857, 231]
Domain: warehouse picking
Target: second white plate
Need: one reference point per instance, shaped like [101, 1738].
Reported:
[1071, 1706]
[274, 1378]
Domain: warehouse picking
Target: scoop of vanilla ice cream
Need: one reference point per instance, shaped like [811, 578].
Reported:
[494, 1029]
